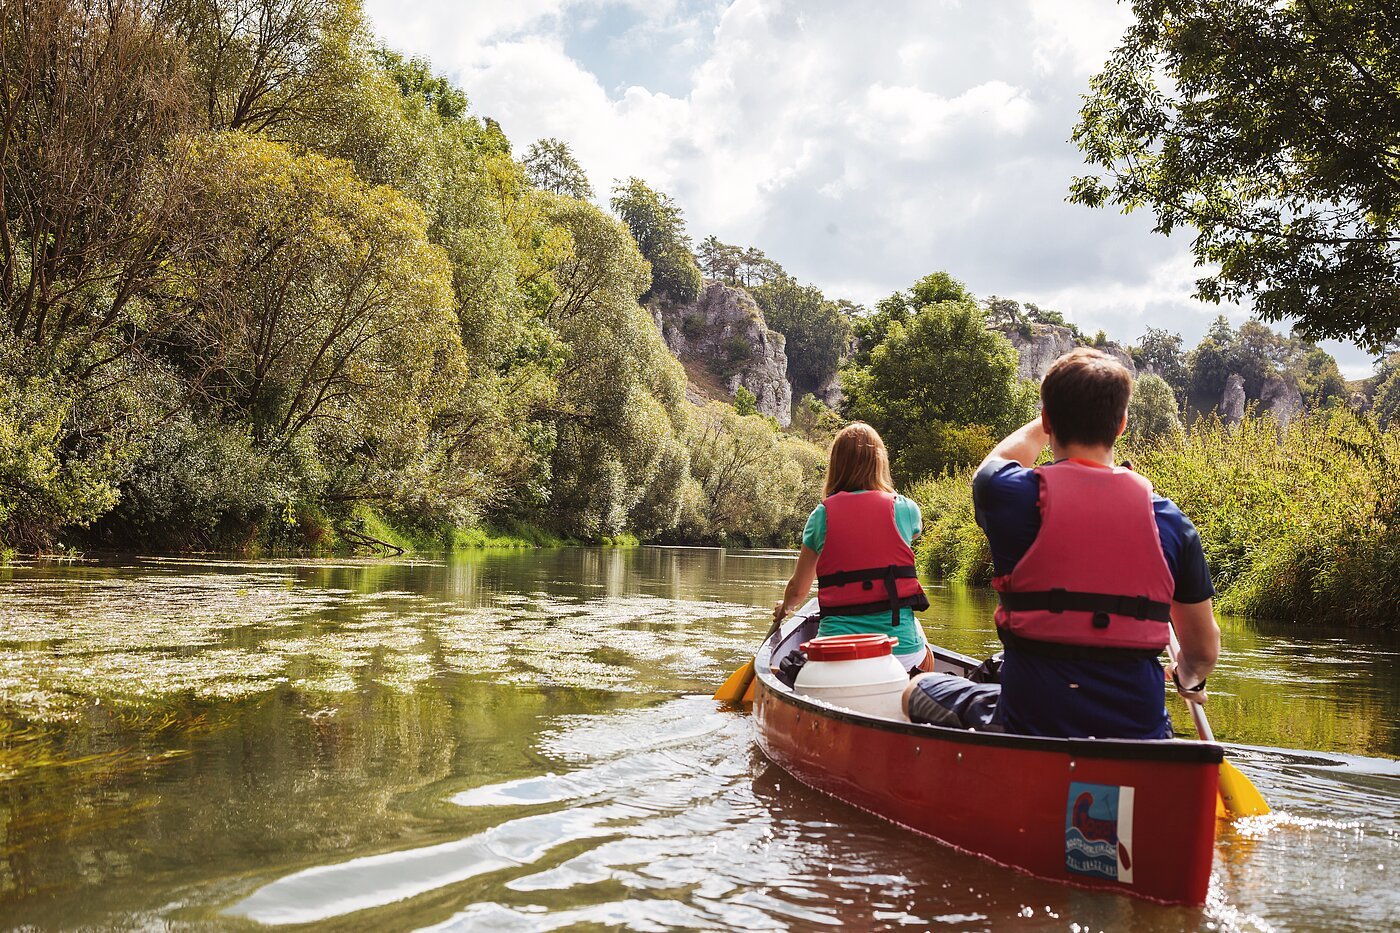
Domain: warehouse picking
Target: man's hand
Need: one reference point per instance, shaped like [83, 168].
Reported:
[1200, 648]
[1183, 680]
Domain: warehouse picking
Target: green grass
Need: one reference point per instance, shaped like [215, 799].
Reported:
[509, 535]
[1301, 523]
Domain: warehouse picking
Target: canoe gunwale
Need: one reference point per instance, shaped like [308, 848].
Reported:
[1165, 750]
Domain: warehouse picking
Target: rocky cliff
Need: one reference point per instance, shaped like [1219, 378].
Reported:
[1042, 344]
[1232, 400]
[724, 343]
[1278, 397]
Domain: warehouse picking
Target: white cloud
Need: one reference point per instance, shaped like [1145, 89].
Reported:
[861, 146]
[1079, 33]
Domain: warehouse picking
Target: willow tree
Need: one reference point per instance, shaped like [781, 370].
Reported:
[620, 460]
[265, 65]
[93, 97]
[318, 337]
[91, 209]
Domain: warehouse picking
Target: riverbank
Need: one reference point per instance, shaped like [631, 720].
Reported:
[1299, 524]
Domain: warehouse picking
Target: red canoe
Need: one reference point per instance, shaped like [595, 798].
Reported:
[1136, 817]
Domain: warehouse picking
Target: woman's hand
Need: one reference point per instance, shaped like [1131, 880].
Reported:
[780, 610]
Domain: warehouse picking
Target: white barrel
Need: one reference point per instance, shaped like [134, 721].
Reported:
[872, 685]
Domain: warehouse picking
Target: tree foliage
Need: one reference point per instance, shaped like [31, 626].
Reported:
[270, 276]
[1158, 351]
[551, 166]
[736, 265]
[94, 93]
[818, 332]
[1258, 356]
[1385, 402]
[941, 387]
[1153, 413]
[1270, 129]
[869, 330]
[658, 226]
[751, 482]
[266, 65]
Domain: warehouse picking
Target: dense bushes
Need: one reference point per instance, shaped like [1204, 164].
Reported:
[751, 483]
[1300, 523]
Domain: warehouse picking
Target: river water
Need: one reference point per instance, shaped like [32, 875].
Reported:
[524, 741]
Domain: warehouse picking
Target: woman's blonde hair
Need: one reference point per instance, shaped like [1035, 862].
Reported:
[858, 460]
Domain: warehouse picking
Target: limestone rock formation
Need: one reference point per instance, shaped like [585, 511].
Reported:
[724, 343]
[1048, 342]
[1281, 398]
[1232, 400]
[830, 392]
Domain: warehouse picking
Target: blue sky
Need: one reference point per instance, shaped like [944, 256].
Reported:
[860, 145]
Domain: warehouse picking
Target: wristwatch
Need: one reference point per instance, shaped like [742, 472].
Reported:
[1199, 688]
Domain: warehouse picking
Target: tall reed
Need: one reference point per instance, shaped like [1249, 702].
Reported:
[1299, 523]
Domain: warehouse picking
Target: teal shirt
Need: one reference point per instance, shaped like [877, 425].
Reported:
[911, 638]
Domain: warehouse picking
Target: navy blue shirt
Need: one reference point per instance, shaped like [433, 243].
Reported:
[1062, 697]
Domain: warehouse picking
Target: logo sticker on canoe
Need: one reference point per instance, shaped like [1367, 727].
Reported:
[1099, 831]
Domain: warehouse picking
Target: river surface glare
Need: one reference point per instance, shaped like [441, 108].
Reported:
[525, 741]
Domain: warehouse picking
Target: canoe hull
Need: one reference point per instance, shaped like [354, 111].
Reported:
[1115, 816]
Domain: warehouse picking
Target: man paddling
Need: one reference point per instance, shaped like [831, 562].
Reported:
[1091, 568]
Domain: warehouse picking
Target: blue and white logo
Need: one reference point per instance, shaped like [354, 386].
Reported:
[1099, 831]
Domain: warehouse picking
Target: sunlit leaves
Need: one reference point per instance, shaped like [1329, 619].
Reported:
[1270, 129]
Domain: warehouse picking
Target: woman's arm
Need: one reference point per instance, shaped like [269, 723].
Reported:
[799, 586]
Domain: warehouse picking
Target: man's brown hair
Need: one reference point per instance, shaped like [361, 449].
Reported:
[1085, 395]
[858, 461]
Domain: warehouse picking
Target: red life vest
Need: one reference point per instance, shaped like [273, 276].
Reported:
[865, 565]
[1095, 576]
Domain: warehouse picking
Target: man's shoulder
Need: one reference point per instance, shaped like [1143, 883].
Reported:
[998, 477]
[1169, 514]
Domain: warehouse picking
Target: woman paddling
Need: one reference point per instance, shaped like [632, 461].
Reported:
[857, 547]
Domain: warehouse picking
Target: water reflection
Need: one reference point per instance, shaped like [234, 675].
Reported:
[506, 741]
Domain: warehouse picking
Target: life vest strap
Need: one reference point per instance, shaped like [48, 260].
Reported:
[1064, 652]
[868, 575]
[1057, 600]
[918, 602]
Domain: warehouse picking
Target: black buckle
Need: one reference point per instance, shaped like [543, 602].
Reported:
[1055, 600]
[1142, 608]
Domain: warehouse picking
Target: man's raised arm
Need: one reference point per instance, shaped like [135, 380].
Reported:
[1022, 445]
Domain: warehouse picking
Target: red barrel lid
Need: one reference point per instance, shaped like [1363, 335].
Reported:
[848, 647]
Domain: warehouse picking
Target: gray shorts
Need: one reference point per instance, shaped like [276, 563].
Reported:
[950, 700]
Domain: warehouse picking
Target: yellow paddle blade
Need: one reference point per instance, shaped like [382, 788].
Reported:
[1240, 797]
[748, 694]
[736, 686]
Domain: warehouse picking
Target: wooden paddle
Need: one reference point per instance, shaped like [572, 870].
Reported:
[1238, 796]
[738, 689]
